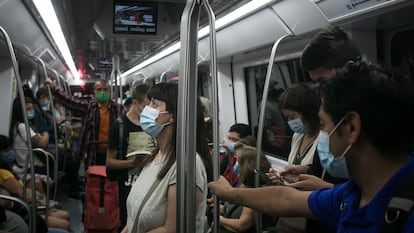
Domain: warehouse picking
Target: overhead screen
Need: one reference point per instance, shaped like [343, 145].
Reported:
[135, 17]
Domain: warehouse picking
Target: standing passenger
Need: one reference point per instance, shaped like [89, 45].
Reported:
[98, 115]
[300, 106]
[330, 49]
[158, 214]
[126, 170]
[371, 146]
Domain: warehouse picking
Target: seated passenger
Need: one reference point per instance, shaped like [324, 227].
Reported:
[227, 157]
[18, 137]
[237, 218]
[56, 218]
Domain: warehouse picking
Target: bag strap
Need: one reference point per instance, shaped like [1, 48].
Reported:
[120, 137]
[150, 191]
[400, 207]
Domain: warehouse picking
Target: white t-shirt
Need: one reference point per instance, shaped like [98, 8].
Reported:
[154, 212]
[21, 149]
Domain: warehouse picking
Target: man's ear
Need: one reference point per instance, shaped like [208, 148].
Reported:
[354, 126]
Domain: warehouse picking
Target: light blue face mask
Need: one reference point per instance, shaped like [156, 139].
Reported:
[236, 168]
[230, 146]
[148, 120]
[336, 167]
[30, 114]
[45, 104]
[297, 126]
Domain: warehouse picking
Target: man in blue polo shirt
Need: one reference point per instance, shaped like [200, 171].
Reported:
[366, 133]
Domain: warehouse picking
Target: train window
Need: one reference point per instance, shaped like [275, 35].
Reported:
[402, 52]
[277, 135]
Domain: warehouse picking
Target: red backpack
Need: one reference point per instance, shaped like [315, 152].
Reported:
[101, 202]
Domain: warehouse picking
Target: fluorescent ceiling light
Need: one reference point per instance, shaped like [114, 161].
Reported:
[48, 14]
[220, 23]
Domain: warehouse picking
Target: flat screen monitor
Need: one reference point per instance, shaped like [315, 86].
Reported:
[135, 17]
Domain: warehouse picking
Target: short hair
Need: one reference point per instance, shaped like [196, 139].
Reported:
[302, 99]
[42, 92]
[140, 92]
[102, 81]
[242, 129]
[383, 99]
[331, 48]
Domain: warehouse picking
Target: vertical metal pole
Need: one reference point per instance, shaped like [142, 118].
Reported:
[57, 78]
[115, 74]
[261, 120]
[26, 121]
[52, 108]
[214, 80]
[186, 122]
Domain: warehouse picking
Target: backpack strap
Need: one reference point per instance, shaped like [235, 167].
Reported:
[400, 207]
[121, 136]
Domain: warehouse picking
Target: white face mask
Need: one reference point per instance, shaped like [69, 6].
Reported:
[336, 167]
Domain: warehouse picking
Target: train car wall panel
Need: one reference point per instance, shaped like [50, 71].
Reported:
[253, 32]
[338, 10]
[7, 90]
[24, 32]
[301, 16]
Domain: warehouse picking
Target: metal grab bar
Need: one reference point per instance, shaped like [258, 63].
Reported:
[24, 112]
[47, 155]
[24, 204]
[215, 116]
[261, 120]
[186, 122]
[187, 112]
[52, 108]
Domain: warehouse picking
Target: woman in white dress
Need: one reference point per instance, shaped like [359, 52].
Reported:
[158, 213]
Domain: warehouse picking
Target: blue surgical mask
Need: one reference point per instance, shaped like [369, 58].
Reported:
[30, 114]
[236, 168]
[9, 157]
[230, 146]
[45, 104]
[336, 167]
[148, 120]
[297, 126]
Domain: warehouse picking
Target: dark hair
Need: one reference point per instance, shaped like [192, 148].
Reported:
[249, 140]
[140, 92]
[242, 129]
[331, 48]
[304, 100]
[17, 116]
[28, 93]
[42, 92]
[5, 143]
[168, 93]
[246, 157]
[383, 99]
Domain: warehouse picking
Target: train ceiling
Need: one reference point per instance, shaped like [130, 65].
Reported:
[84, 20]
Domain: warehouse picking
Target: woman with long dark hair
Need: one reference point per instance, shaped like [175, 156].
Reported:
[158, 211]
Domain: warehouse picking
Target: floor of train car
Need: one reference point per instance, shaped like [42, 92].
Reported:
[73, 206]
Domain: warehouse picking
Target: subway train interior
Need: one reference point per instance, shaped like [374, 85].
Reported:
[219, 49]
